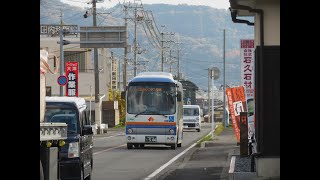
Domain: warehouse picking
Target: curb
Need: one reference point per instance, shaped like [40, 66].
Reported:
[203, 144]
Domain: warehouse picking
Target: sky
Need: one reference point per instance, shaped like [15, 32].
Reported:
[220, 4]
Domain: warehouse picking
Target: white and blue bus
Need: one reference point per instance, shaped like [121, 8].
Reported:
[154, 110]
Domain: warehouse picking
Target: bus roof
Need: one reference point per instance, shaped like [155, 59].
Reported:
[154, 77]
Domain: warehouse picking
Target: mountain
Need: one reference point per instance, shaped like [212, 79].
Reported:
[198, 28]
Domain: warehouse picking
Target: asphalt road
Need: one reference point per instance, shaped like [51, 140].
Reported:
[112, 160]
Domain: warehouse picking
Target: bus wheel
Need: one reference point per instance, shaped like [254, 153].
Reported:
[179, 145]
[174, 146]
[129, 146]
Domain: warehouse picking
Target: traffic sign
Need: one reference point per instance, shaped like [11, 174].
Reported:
[62, 80]
[215, 73]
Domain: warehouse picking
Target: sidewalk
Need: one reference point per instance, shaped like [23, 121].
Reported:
[211, 161]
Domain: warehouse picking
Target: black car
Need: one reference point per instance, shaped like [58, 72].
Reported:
[76, 156]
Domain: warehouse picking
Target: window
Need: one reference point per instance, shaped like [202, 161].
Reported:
[63, 115]
[151, 100]
[76, 56]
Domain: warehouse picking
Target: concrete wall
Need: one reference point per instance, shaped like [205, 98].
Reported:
[271, 10]
[268, 167]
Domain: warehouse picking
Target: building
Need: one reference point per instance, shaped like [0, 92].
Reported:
[108, 72]
[266, 25]
[189, 90]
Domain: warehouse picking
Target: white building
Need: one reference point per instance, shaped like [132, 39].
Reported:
[108, 71]
[84, 57]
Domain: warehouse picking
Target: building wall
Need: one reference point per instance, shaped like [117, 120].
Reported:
[271, 20]
[86, 79]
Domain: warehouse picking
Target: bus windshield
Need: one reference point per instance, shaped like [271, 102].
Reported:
[151, 99]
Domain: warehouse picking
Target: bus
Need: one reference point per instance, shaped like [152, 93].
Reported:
[154, 110]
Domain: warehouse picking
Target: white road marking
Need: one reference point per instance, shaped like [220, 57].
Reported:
[169, 162]
[108, 149]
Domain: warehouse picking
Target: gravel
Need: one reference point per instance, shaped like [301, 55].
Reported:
[243, 164]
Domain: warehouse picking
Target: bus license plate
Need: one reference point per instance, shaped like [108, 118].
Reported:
[151, 139]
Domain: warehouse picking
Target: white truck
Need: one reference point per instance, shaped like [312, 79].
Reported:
[52, 135]
[192, 117]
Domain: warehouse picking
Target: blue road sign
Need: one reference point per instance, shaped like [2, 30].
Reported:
[62, 80]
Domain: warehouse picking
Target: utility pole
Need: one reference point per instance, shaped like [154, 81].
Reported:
[125, 62]
[178, 63]
[119, 68]
[135, 41]
[224, 121]
[95, 56]
[162, 57]
[170, 59]
[61, 64]
[209, 75]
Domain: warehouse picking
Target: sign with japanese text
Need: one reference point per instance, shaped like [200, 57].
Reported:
[247, 66]
[53, 29]
[237, 104]
[247, 78]
[72, 76]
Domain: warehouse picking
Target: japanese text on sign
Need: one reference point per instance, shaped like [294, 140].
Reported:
[247, 66]
[72, 76]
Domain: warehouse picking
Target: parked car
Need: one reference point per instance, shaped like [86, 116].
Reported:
[76, 156]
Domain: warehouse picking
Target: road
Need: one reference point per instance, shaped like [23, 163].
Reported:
[112, 159]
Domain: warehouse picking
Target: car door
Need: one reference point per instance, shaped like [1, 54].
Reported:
[86, 145]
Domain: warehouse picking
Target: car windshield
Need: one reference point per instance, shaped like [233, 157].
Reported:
[191, 112]
[68, 116]
[159, 99]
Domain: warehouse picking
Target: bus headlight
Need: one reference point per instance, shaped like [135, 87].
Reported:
[73, 150]
[171, 131]
[130, 131]
[129, 138]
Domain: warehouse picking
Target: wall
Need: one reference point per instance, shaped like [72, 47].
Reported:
[271, 20]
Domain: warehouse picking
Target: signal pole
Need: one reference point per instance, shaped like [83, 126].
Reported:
[61, 64]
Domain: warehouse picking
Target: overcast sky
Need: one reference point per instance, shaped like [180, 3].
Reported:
[220, 4]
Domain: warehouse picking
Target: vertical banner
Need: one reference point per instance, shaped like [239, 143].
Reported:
[247, 79]
[72, 76]
[237, 103]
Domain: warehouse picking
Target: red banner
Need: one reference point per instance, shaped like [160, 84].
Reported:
[237, 104]
[72, 76]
